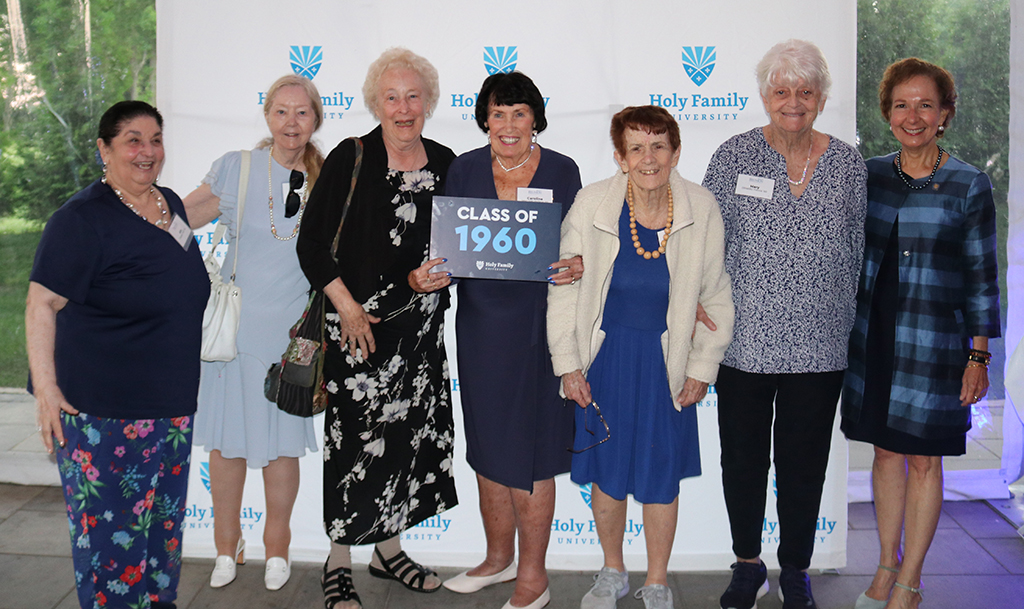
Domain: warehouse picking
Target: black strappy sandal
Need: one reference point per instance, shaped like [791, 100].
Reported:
[398, 567]
[337, 585]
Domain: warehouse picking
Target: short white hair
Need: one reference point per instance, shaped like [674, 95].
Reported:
[789, 62]
[404, 59]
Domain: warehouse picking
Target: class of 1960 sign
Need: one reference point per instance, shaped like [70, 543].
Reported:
[492, 239]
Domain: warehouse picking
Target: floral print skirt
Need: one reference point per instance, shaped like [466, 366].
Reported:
[124, 484]
[388, 428]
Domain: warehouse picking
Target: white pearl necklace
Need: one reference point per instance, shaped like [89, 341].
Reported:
[161, 221]
[270, 202]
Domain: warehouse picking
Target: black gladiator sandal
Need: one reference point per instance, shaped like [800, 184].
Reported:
[337, 585]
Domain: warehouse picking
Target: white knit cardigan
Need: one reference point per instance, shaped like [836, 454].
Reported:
[696, 266]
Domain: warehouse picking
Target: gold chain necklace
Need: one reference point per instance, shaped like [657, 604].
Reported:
[270, 201]
[632, 225]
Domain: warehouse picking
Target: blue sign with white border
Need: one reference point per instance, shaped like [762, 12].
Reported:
[493, 239]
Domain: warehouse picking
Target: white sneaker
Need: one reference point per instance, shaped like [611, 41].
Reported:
[277, 573]
[655, 596]
[609, 586]
[224, 567]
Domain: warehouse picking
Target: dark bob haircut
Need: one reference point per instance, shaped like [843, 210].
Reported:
[905, 69]
[116, 116]
[651, 119]
[509, 89]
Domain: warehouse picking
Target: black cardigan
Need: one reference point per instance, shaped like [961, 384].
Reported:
[364, 249]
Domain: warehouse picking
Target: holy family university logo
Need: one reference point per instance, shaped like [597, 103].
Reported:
[306, 60]
[706, 105]
[500, 59]
[699, 62]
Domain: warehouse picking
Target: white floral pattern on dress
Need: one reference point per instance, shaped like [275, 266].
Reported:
[390, 459]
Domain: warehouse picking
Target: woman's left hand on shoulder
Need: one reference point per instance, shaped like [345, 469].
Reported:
[975, 385]
[423, 281]
[569, 270]
[693, 392]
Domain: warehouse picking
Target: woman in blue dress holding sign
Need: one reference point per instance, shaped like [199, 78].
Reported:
[517, 426]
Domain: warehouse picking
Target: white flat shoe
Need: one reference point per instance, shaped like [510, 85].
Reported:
[277, 573]
[541, 602]
[464, 583]
[224, 567]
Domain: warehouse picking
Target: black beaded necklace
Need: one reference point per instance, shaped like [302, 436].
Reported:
[903, 176]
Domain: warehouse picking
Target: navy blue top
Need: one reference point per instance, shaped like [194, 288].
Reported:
[127, 342]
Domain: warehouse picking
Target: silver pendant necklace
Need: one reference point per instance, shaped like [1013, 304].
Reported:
[508, 169]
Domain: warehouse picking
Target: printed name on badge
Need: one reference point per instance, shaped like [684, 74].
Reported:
[753, 186]
[536, 195]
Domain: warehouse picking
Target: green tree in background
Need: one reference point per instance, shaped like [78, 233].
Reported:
[971, 39]
[62, 64]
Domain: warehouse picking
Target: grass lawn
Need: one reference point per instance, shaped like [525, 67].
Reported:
[18, 242]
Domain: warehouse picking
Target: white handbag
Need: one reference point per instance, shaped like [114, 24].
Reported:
[223, 309]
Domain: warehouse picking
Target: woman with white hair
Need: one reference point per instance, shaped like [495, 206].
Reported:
[388, 431]
[793, 201]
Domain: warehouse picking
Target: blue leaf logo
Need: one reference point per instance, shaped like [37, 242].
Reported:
[204, 474]
[699, 62]
[585, 493]
[306, 60]
[500, 59]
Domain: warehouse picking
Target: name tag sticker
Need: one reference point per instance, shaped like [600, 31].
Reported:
[536, 195]
[181, 232]
[753, 186]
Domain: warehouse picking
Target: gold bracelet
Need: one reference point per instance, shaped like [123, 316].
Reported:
[976, 365]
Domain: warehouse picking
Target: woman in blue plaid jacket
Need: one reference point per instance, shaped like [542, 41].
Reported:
[928, 302]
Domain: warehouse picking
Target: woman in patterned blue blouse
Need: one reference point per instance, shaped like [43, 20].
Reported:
[793, 202]
[928, 303]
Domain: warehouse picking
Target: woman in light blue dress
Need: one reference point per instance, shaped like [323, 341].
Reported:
[235, 422]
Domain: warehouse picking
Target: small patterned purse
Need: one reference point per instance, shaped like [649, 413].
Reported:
[296, 384]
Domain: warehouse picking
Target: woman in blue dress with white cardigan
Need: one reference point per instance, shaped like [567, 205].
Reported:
[624, 342]
[235, 422]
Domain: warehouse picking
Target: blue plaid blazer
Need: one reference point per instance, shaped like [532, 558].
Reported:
[948, 291]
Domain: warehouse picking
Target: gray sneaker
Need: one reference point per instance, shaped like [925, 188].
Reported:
[655, 596]
[609, 586]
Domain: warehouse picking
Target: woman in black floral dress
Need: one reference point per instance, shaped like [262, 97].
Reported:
[389, 430]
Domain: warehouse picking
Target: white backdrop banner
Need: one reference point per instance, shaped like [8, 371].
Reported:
[589, 59]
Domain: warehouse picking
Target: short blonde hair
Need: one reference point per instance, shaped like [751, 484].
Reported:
[789, 62]
[398, 57]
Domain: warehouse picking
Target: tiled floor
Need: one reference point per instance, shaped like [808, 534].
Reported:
[976, 560]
